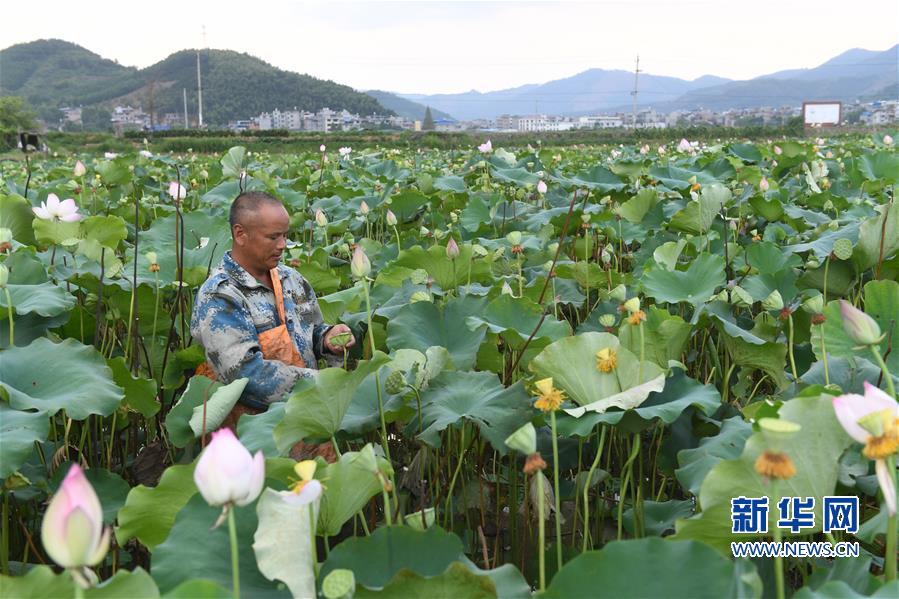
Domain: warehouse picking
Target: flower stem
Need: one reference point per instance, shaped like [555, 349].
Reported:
[371, 338]
[778, 559]
[235, 570]
[602, 441]
[541, 531]
[628, 473]
[9, 309]
[886, 371]
[642, 353]
[889, 556]
[790, 346]
[552, 420]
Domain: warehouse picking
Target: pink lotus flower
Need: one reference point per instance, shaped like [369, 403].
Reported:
[661, 150]
[764, 185]
[873, 420]
[226, 473]
[541, 187]
[177, 191]
[777, 150]
[684, 146]
[53, 209]
[321, 148]
[887, 140]
[486, 147]
[72, 531]
[452, 249]
[79, 169]
[860, 327]
[360, 265]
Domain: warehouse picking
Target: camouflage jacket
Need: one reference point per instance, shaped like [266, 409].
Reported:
[232, 308]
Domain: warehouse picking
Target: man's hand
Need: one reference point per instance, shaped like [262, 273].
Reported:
[334, 339]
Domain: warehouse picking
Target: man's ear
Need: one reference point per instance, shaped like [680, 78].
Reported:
[239, 233]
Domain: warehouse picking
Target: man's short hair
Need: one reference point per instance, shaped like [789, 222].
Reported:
[247, 203]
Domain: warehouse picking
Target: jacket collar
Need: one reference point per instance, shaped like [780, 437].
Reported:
[238, 273]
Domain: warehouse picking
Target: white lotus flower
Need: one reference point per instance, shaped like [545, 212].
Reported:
[53, 209]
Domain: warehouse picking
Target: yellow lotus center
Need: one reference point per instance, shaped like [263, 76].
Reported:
[606, 360]
[775, 464]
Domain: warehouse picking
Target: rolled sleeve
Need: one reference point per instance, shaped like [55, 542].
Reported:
[222, 324]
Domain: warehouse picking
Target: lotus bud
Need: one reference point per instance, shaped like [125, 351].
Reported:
[763, 185]
[226, 473]
[360, 265]
[79, 169]
[777, 150]
[814, 304]
[632, 305]
[541, 187]
[419, 296]
[774, 301]
[887, 140]
[514, 238]
[320, 219]
[452, 249]
[860, 327]
[740, 297]
[607, 320]
[204, 174]
[391, 218]
[321, 148]
[72, 530]
[618, 293]
[524, 440]
[363, 208]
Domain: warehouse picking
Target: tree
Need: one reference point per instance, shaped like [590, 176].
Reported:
[15, 114]
[428, 124]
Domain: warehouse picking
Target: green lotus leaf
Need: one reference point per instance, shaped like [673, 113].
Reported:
[315, 412]
[728, 444]
[18, 433]
[516, 319]
[16, 215]
[699, 214]
[140, 392]
[234, 162]
[351, 482]
[49, 377]
[41, 582]
[695, 285]
[477, 397]
[149, 512]
[620, 566]
[571, 362]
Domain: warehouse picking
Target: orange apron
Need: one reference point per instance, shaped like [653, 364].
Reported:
[276, 344]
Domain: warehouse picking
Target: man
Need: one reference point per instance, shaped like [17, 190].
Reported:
[236, 308]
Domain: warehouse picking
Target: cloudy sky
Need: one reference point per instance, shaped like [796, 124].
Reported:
[439, 47]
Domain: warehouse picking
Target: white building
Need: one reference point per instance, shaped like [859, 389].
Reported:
[600, 122]
[542, 122]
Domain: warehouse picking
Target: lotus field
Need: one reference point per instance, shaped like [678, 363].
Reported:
[578, 372]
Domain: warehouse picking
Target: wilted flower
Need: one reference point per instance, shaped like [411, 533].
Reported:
[860, 327]
[360, 266]
[606, 360]
[53, 209]
[320, 219]
[226, 473]
[873, 420]
[549, 399]
[452, 249]
[534, 463]
[79, 169]
[72, 530]
[177, 191]
[485, 147]
[541, 186]
[775, 465]
[307, 489]
[764, 185]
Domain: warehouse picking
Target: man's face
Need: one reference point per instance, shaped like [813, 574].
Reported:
[262, 239]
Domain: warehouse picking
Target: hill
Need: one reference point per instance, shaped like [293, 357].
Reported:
[54, 73]
[404, 107]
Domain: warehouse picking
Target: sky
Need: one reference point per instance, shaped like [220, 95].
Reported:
[446, 47]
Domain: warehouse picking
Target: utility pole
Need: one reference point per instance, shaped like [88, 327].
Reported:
[634, 93]
[186, 124]
[200, 94]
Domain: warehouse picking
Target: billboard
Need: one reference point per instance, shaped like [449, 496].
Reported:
[821, 114]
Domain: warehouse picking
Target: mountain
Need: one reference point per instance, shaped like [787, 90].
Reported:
[404, 107]
[589, 91]
[55, 73]
[854, 74]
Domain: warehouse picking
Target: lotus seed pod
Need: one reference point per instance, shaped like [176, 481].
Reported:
[607, 320]
[514, 238]
[419, 296]
[812, 263]
[339, 584]
[721, 296]
[524, 440]
[814, 304]
[585, 218]
[632, 305]
[395, 383]
[774, 301]
[479, 250]
[619, 293]
[842, 248]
